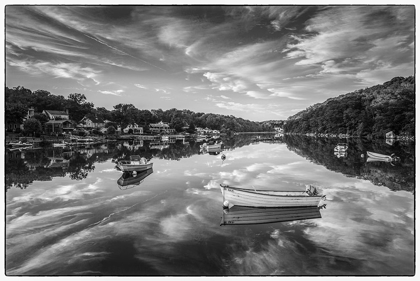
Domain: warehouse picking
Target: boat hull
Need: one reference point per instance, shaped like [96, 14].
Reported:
[265, 198]
[379, 156]
[246, 215]
[134, 167]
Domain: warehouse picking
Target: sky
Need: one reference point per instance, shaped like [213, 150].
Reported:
[254, 62]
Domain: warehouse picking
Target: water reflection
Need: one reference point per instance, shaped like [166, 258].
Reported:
[23, 167]
[133, 178]
[239, 215]
[86, 226]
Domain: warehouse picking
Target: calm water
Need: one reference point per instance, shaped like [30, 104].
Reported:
[66, 214]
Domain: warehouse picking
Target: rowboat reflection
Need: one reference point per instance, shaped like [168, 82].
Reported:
[377, 157]
[133, 178]
[234, 196]
[247, 215]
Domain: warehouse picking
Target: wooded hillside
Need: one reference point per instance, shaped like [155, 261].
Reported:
[371, 112]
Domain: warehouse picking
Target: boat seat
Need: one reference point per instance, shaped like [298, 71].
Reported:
[135, 158]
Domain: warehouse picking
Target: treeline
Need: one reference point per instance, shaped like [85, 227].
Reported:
[19, 99]
[370, 113]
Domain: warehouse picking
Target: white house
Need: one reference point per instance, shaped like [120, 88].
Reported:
[135, 128]
[91, 123]
[160, 128]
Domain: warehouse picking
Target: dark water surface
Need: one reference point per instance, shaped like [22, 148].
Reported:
[67, 215]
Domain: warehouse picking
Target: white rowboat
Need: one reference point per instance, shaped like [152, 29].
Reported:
[233, 196]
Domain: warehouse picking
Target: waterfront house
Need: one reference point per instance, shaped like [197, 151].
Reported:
[58, 127]
[161, 128]
[135, 129]
[91, 122]
[12, 126]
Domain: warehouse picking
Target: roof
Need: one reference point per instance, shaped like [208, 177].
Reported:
[56, 112]
[160, 124]
[58, 121]
[94, 119]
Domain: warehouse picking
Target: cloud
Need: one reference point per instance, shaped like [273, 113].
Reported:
[258, 95]
[58, 70]
[352, 39]
[162, 91]
[114, 93]
[222, 82]
[140, 86]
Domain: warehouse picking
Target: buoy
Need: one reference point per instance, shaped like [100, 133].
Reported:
[226, 204]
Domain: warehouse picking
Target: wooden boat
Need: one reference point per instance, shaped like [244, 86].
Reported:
[134, 164]
[238, 215]
[132, 179]
[234, 196]
[341, 147]
[373, 157]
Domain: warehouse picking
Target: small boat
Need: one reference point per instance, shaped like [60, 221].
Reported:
[132, 179]
[373, 157]
[61, 144]
[20, 144]
[238, 215]
[341, 147]
[234, 196]
[134, 164]
[211, 147]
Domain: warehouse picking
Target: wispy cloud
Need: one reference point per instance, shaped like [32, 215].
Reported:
[58, 70]
[141, 86]
[114, 93]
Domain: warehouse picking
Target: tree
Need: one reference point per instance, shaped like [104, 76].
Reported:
[110, 130]
[32, 126]
[78, 106]
[191, 128]
[15, 112]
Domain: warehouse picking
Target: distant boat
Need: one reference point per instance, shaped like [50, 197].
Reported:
[341, 147]
[62, 144]
[132, 179]
[211, 147]
[234, 196]
[238, 215]
[374, 157]
[134, 164]
[20, 144]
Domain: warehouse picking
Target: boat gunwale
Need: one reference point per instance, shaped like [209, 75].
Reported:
[249, 191]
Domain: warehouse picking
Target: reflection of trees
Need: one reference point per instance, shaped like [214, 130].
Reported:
[320, 151]
[80, 166]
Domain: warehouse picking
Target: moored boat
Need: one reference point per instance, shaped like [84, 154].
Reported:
[238, 215]
[234, 196]
[20, 144]
[134, 178]
[61, 144]
[134, 164]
